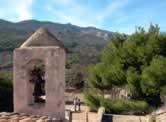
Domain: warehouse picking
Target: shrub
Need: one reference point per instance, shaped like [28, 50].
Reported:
[95, 101]
[6, 91]
[124, 105]
[137, 61]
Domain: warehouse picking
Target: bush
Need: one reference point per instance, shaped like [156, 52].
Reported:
[124, 105]
[95, 101]
[137, 61]
[6, 91]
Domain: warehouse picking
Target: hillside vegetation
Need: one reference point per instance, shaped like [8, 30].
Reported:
[83, 44]
[137, 64]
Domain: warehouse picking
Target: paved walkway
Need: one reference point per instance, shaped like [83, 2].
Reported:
[84, 115]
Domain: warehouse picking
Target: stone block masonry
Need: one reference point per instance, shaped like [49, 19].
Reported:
[41, 46]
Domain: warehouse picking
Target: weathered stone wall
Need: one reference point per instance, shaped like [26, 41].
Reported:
[54, 60]
[161, 117]
[129, 118]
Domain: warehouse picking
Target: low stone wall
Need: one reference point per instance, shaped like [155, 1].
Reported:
[127, 118]
[161, 117]
[130, 118]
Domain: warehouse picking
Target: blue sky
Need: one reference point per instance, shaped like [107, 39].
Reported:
[114, 15]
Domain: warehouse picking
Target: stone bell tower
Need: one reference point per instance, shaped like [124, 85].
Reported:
[43, 47]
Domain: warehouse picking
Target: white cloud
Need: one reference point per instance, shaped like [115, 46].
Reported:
[23, 10]
[70, 12]
[112, 8]
[82, 15]
[121, 15]
[16, 10]
[62, 2]
[141, 15]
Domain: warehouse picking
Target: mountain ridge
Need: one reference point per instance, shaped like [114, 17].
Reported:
[83, 41]
[50, 22]
[67, 33]
[83, 44]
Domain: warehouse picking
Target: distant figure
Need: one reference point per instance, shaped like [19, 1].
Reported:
[79, 104]
[75, 103]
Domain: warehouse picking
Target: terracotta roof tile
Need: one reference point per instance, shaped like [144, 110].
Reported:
[23, 117]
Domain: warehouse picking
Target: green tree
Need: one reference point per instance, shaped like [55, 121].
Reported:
[99, 78]
[133, 82]
[109, 72]
[137, 61]
[153, 81]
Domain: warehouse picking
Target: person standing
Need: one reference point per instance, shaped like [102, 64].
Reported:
[75, 103]
[79, 104]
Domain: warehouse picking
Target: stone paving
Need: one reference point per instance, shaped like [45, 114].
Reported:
[84, 115]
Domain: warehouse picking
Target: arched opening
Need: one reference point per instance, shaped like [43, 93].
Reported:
[37, 80]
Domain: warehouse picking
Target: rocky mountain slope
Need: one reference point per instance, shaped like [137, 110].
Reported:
[80, 40]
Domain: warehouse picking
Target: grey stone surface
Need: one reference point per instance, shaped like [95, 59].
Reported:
[42, 37]
[130, 118]
[24, 60]
[54, 60]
